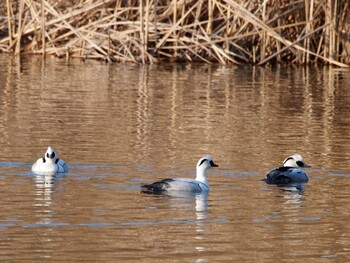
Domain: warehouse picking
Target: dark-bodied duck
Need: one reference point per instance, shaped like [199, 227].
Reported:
[198, 185]
[289, 173]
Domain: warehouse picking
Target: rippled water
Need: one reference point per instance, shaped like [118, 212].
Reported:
[121, 126]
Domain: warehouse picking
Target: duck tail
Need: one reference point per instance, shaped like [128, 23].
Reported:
[157, 187]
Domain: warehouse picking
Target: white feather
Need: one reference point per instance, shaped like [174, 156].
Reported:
[200, 184]
[49, 164]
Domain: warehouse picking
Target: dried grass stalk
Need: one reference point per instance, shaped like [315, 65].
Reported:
[150, 31]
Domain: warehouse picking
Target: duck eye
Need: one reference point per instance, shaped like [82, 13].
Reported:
[300, 164]
[212, 163]
[47, 155]
[53, 155]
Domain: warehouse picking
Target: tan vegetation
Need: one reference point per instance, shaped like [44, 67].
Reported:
[150, 31]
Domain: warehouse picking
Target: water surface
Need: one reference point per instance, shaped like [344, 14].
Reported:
[121, 126]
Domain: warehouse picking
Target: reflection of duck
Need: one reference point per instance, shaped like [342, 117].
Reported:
[200, 184]
[49, 164]
[185, 199]
[44, 185]
[192, 202]
[202, 205]
[293, 194]
[289, 173]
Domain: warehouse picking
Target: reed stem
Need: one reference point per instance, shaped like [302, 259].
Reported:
[150, 31]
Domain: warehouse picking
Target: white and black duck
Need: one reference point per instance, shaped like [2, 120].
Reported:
[289, 173]
[198, 185]
[50, 163]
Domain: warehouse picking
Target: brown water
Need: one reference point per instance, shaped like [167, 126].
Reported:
[120, 126]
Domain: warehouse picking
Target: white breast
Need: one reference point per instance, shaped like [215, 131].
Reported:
[49, 167]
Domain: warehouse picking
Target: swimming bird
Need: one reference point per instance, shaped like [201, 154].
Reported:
[50, 163]
[289, 173]
[198, 185]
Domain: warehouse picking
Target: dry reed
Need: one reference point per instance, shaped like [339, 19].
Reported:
[150, 31]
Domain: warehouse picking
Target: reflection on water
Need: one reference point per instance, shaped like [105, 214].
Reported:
[202, 206]
[192, 202]
[199, 201]
[43, 198]
[119, 126]
[173, 111]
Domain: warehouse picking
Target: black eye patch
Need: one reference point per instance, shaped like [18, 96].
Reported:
[204, 160]
[300, 164]
[212, 163]
[52, 155]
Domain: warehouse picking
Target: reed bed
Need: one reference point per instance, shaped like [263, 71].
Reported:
[151, 31]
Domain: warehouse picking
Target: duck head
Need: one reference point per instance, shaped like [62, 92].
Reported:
[295, 160]
[206, 162]
[50, 154]
[202, 165]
